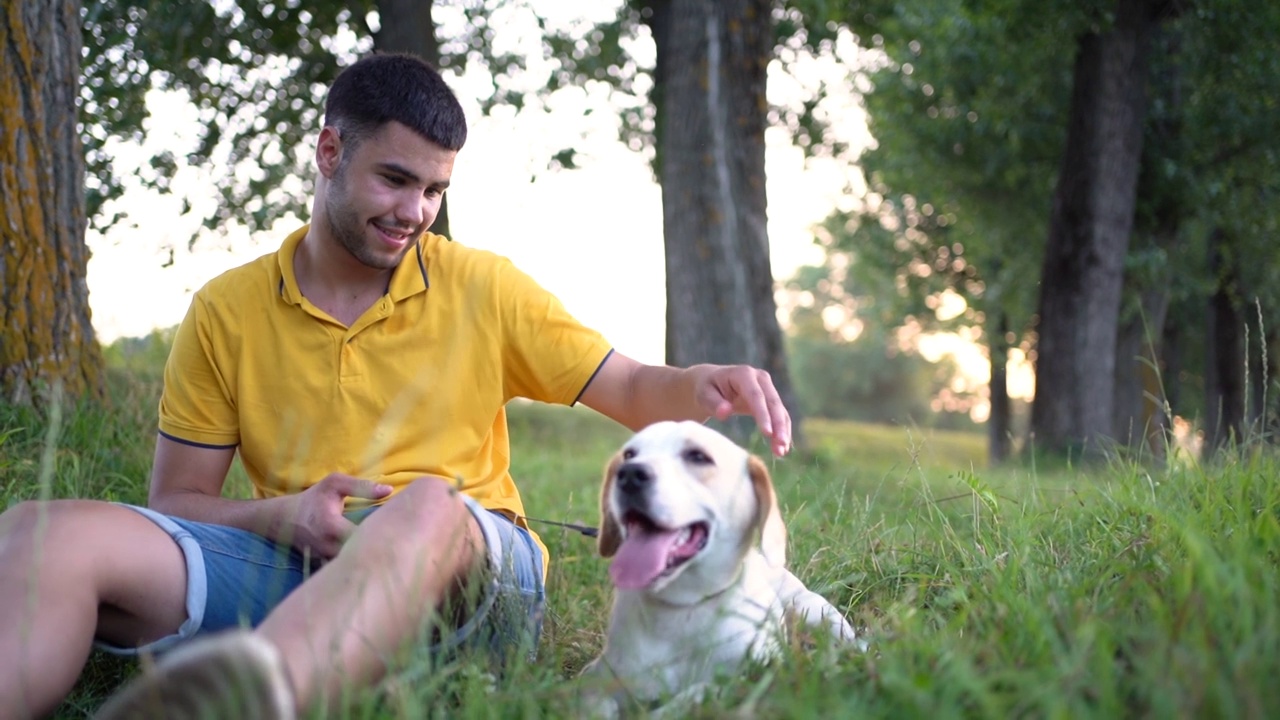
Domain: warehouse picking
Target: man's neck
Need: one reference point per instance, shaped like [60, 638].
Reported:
[334, 281]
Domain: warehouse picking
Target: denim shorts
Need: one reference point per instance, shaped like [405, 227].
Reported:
[236, 577]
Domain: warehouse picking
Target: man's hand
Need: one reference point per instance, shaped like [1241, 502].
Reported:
[725, 390]
[314, 524]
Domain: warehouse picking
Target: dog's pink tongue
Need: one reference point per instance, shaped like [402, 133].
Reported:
[642, 557]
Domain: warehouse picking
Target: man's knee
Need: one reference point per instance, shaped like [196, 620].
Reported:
[435, 501]
[431, 511]
[33, 522]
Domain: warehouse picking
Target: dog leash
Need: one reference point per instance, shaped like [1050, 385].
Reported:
[584, 529]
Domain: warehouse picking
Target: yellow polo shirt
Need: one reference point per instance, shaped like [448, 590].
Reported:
[416, 386]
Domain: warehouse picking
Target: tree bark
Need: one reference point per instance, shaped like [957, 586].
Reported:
[406, 26]
[1224, 364]
[710, 97]
[1090, 224]
[46, 337]
[1142, 419]
[1000, 423]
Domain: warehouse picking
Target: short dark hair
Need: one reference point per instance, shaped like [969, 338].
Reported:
[399, 87]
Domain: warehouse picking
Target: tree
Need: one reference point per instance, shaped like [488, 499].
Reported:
[971, 114]
[46, 339]
[966, 109]
[1232, 186]
[1089, 229]
[709, 91]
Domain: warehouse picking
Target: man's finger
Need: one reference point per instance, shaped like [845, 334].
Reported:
[349, 486]
[779, 417]
[751, 391]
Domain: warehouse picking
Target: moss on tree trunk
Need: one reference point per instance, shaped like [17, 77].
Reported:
[46, 337]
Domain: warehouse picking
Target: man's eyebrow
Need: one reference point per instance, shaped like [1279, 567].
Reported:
[410, 175]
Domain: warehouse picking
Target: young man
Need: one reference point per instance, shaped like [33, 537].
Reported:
[365, 364]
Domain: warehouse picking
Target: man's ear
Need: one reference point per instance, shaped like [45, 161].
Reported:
[610, 533]
[328, 151]
[773, 532]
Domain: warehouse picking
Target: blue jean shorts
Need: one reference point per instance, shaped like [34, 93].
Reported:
[236, 577]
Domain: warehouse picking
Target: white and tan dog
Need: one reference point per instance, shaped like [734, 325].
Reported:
[699, 566]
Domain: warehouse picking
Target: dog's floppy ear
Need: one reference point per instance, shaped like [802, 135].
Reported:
[773, 532]
[610, 534]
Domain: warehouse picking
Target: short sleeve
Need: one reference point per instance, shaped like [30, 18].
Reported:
[197, 405]
[548, 355]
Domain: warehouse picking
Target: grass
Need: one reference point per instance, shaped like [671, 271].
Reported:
[1061, 592]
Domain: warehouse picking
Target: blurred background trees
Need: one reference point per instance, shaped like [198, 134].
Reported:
[1083, 188]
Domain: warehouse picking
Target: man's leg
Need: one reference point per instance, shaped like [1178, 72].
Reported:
[71, 570]
[341, 628]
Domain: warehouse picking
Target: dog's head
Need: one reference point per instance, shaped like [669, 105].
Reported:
[682, 499]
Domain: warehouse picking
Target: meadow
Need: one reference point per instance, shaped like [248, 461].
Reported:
[1042, 591]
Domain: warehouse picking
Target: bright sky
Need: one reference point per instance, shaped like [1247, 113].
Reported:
[593, 235]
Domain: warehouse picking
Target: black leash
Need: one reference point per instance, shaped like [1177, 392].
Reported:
[585, 530]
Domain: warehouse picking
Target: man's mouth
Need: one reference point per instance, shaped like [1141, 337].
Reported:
[394, 236]
[651, 552]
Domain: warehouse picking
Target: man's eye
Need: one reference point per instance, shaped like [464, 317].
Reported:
[394, 180]
[697, 457]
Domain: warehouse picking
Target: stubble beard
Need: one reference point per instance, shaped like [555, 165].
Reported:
[349, 229]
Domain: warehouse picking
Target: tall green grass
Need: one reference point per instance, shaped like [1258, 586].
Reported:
[1114, 591]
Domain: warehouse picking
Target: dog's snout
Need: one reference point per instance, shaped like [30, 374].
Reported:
[634, 477]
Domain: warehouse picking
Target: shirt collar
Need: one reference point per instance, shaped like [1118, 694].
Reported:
[409, 278]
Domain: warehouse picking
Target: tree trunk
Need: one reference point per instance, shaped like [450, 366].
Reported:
[1092, 216]
[710, 98]
[1000, 424]
[406, 26]
[46, 338]
[1224, 365]
[1142, 419]
[1141, 422]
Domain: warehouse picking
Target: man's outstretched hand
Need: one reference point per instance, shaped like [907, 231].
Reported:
[725, 390]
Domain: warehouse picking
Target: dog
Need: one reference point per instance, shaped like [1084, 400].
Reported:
[698, 549]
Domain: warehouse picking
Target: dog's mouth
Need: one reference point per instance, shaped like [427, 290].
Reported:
[651, 552]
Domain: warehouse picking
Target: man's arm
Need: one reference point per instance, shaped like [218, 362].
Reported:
[636, 395]
[187, 480]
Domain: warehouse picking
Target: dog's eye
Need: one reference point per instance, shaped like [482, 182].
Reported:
[697, 457]
[628, 454]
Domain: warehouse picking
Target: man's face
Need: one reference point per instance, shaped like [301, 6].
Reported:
[385, 192]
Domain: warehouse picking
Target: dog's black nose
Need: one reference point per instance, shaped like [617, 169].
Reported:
[633, 477]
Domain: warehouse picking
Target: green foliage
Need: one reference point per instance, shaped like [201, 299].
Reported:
[867, 380]
[100, 450]
[968, 113]
[256, 74]
[142, 357]
[969, 110]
